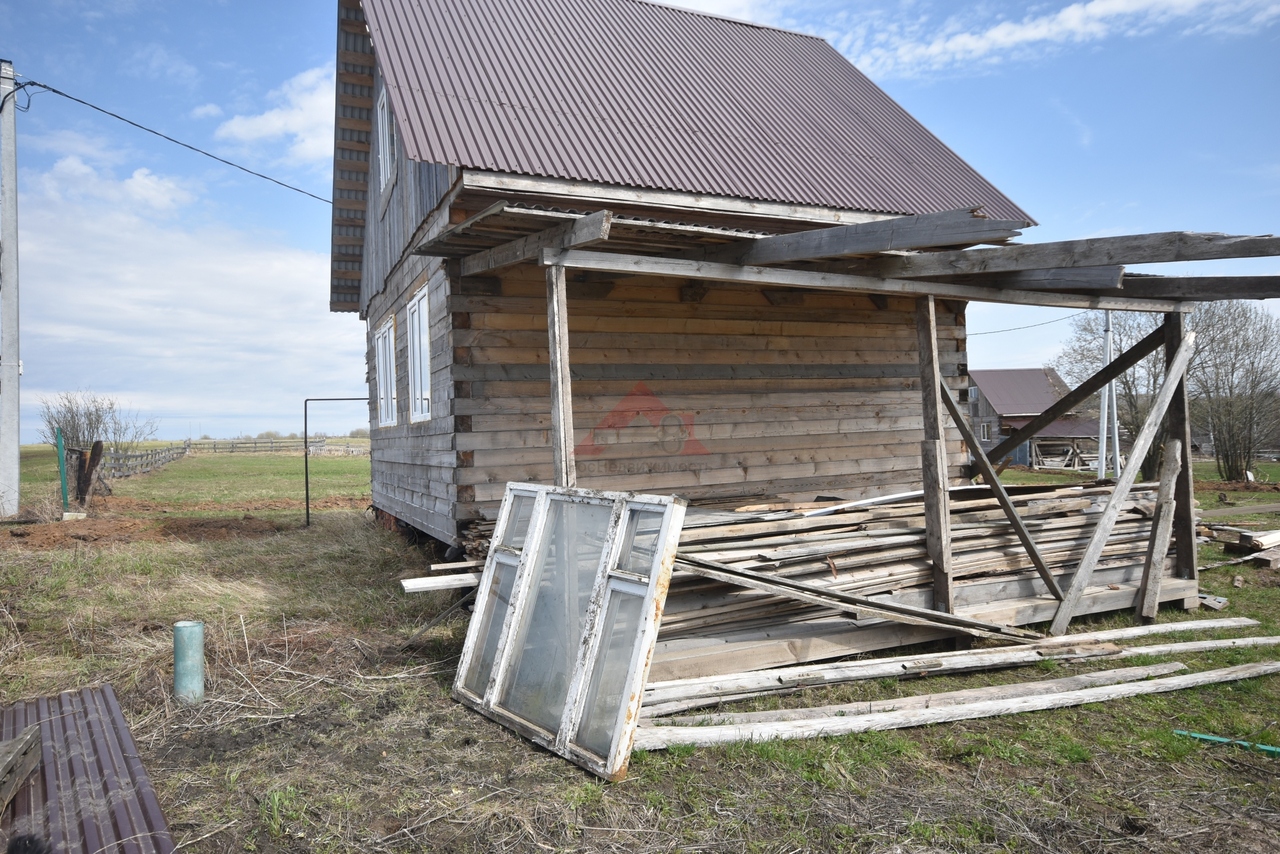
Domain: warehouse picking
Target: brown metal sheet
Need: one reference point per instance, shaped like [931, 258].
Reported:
[90, 792]
[637, 94]
[1020, 391]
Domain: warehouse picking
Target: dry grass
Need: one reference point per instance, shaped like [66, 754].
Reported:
[321, 732]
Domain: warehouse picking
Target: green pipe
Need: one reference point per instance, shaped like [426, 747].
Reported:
[62, 470]
[188, 662]
[1217, 739]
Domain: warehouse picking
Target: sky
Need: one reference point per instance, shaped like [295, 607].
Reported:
[198, 295]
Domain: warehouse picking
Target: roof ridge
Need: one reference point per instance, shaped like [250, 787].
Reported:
[744, 23]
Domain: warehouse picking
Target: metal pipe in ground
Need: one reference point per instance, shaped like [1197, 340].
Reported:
[188, 662]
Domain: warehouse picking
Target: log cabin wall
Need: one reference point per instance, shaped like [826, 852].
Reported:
[702, 390]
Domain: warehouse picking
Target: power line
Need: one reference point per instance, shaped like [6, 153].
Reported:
[165, 137]
[1032, 326]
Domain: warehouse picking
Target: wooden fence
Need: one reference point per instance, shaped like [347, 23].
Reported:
[317, 447]
[123, 465]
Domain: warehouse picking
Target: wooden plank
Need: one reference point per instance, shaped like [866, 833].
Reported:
[1104, 375]
[562, 441]
[657, 738]
[1161, 531]
[453, 581]
[18, 758]
[592, 228]
[1179, 427]
[1108, 277]
[949, 698]
[949, 228]
[1173, 378]
[1091, 252]
[641, 265]
[933, 459]
[1006, 504]
[1202, 287]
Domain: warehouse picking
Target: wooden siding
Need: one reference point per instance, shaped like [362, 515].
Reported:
[745, 392]
[353, 108]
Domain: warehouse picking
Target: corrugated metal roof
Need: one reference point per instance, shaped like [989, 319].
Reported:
[633, 93]
[1063, 428]
[1020, 391]
[90, 792]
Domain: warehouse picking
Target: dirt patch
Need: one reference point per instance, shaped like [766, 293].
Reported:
[1230, 486]
[109, 530]
[202, 529]
[126, 504]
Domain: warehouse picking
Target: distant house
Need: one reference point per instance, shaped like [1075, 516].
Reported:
[1003, 401]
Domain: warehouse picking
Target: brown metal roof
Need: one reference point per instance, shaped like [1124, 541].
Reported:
[90, 792]
[632, 93]
[1020, 391]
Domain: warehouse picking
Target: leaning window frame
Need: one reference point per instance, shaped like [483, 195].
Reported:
[610, 580]
[384, 368]
[418, 340]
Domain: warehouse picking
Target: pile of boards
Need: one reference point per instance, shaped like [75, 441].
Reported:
[876, 551]
[1263, 546]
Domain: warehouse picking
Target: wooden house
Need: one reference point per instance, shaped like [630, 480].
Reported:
[1002, 400]
[628, 247]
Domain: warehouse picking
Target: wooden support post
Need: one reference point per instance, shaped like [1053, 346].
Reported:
[993, 480]
[561, 388]
[1161, 530]
[933, 459]
[1112, 511]
[1179, 427]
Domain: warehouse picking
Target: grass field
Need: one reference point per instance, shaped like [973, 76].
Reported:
[322, 732]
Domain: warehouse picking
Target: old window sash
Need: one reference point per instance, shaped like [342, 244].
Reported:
[418, 330]
[567, 616]
[386, 140]
[384, 368]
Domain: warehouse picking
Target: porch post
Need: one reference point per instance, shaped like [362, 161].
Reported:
[933, 459]
[1179, 427]
[561, 389]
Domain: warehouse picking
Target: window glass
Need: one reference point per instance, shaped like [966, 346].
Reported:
[498, 602]
[610, 674]
[384, 355]
[547, 642]
[419, 357]
[640, 541]
[518, 520]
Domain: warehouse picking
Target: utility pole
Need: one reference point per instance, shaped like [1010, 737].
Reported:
[9, 365]
[1104, 422]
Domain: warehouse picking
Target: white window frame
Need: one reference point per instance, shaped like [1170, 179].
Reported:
[984, 431]
[386, 141]
[418, 334]
[511, 563]
[384, 366]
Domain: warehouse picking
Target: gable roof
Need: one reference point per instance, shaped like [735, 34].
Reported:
[637, 94]
[1020, 391]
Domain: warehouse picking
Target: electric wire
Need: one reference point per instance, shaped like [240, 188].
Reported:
[1032, 326]
[23, 86]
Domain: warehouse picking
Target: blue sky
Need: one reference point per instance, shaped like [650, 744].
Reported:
[198, 294]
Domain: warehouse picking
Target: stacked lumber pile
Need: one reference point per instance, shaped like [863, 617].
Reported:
[877, 551]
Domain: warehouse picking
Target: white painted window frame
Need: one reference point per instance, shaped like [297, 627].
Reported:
[418, 334]
[984, 431]
[386, 141]
[610, 580]
[384, 366]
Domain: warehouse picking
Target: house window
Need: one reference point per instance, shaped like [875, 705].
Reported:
[386, 141]
[384, 357]
[984, 432]
[418, 334]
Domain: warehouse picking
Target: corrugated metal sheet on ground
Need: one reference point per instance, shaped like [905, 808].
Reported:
[90, 792]
[633, 93]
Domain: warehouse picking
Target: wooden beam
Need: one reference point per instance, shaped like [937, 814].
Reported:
[659, 737]
[1092, 252]
[1006, 504]
[1106, 374]
[1055, 279]
[561, 387]
[933, 459]
[1201, 288]
[1161, 531]
[949, 228]
[429, 248]
[1179, 427]
[643, 265]
[592, 228]
[1092, 553]
[849, 603]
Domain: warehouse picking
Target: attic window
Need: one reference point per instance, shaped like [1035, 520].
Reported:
[386, 141]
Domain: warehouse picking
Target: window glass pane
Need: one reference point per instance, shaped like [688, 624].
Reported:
[518, 520]
[640, 541]
[604, 700]
[546, 644]
[499, 600]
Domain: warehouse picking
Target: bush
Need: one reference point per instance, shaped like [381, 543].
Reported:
[85, 417]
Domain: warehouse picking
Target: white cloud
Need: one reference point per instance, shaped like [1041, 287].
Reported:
[159, 63]
[206, 111]
[757, 11]
[211, 329]
[304, 118]
[883, 45]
